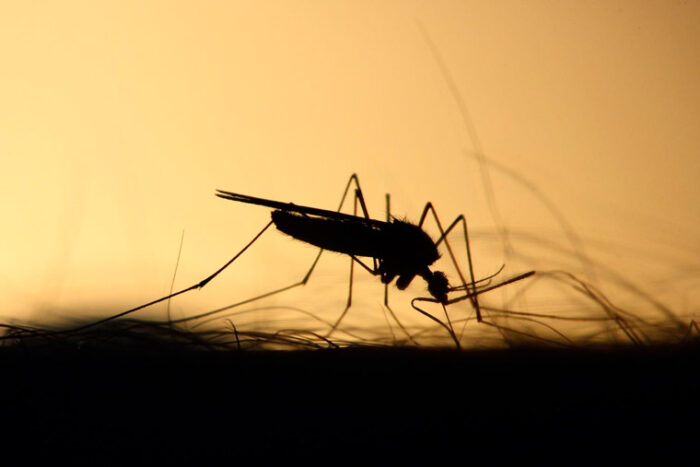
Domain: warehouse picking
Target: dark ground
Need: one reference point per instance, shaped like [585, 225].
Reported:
[601, 406]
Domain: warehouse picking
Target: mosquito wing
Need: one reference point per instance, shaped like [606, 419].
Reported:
[291, 207]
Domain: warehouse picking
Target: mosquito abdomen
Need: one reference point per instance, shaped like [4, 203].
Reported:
[343, 236]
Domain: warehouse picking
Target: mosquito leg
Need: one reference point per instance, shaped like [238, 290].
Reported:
[198, 285]
[361, 198]
[471, 285]
[358, 198]
[348, 304]
[386, 286]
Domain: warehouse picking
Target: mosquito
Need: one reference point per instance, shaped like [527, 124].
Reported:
[399, 250]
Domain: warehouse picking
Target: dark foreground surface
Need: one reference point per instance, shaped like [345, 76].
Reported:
[567, 407]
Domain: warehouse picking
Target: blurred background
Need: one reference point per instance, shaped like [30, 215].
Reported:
[565, 132]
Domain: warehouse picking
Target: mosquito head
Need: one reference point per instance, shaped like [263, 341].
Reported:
[438, 285]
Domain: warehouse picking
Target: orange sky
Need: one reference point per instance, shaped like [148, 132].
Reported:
[120, 119]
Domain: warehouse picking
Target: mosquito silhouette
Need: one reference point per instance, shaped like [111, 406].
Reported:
[399, 250]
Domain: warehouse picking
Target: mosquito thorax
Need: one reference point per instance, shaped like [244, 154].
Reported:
[410, 241]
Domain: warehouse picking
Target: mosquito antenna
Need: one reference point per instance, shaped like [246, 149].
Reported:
[486, 279]
[486, 289]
